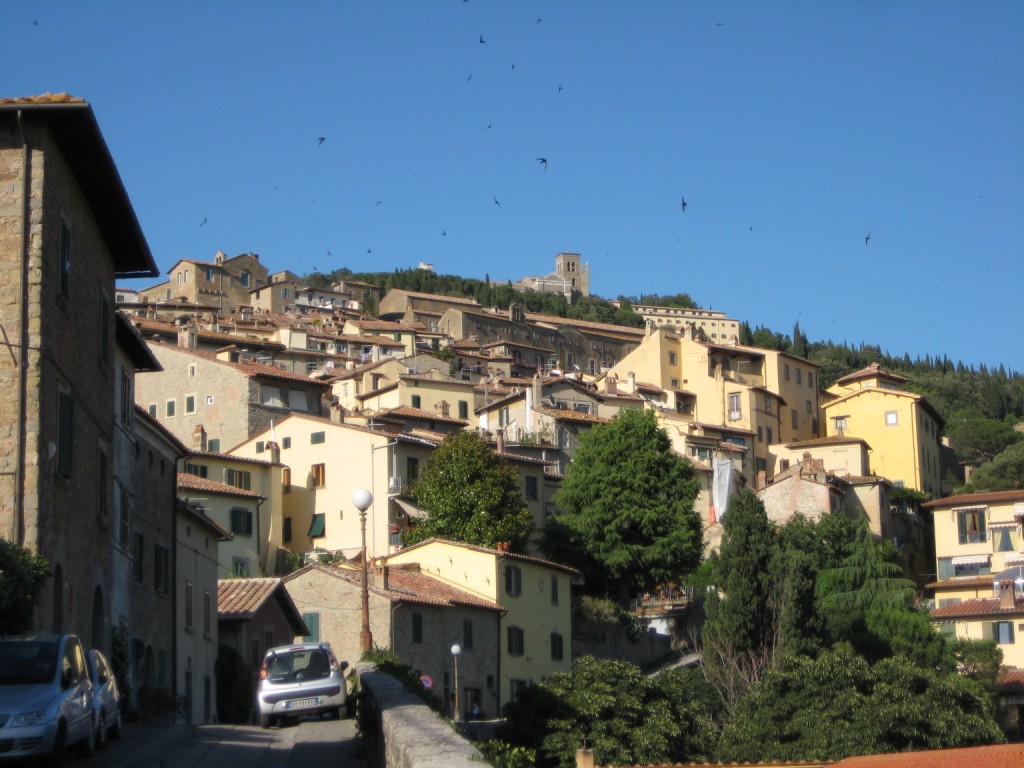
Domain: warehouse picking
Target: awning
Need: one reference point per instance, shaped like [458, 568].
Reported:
[408, 507]
[970, 560]
[1001, 526]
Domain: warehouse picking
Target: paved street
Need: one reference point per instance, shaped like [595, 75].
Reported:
[322, 743]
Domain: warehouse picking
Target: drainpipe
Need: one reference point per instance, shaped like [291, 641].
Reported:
[19, 463]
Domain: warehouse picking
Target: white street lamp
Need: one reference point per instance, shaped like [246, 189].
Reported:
[456, 650]
[362, 499]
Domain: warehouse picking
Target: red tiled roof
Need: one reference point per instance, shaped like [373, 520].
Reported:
[508, 555]
[827, 440]
[438, 297]
[869, 373]
[43, 98]
[976, 608]
[241, 598]
[960, 582]
[624, 330]
[994, 756]
[564, 414]
[985, 497]
[408, 412]
[195, 483]
[387, 325]
[1011, 681]
[249, 369]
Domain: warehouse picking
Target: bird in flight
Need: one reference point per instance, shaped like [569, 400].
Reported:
[203, 224]
[444, 233]
[543, 161]
[321, 140]
[379, 202]
[559, 87]
[513, 65]
[496, 201]
[482, 41]
[684, 204]
[867, 239]
[369, 250]
[470, 77]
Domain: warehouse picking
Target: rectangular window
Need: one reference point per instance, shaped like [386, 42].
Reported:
[516, 641]
[785, 371]
[971, 525]
[1002, 632]
[286, 479]
[151, 409]
[169, 409]
[65, 433]
[467, 633]
[240, 568]
[1004, 540]
[317, 438]
[799, 375]
[271, 396]
[516, 688]
[734, 407]
[312, 622]
[417, 627]
[209, 274]
[213, 445]
[796, 419]
[261, 446]
[127, 403]
[557, 653]
[64, 279]
[297, 400]
[672, 358]
[531, 488]
[318, 525]
[101, 484]
[768, 434]
[891, 418]
[319, 474]
[810, 379]
[513, 581]
[463, 409]
[760, 435]
[238, 479]
[286, 442]
[190, 404]
[241, 522]
[189, 614]
[199, 470]
[286, 530]
[767, 403]
[416, 402]
[137, 550]
[554, 590]
[207, 612]
[809, 410]
[161, 569]
[412, 469]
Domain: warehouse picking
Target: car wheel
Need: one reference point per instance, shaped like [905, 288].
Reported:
[265, 721]
[56, 757]
[336, 713]
[101, 732]
[115, 728]
[88, 745]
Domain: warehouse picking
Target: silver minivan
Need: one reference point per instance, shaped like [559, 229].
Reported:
[300, 679]
[45, 698]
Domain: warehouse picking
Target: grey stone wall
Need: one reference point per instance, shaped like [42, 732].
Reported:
[406, 733]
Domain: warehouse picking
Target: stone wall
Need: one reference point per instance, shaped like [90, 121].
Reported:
[405, 733]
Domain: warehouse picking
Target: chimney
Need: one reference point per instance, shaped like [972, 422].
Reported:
[611, 385]
[762, 480]
[187, 336]
[275, 452]
[337, 413]
[501, 440]
[1007, 595]
[199, 439]
[631, 378]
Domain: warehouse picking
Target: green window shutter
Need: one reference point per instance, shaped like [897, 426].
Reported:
[318, 525]
[312, 621]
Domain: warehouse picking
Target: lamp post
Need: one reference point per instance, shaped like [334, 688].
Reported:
[362, 499]
[456, 650]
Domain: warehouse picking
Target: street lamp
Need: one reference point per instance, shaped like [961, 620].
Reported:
[456, 650]
[362, 499]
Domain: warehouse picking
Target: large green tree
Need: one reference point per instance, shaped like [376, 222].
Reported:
[23, 575]
[1004, 473]
[470, 494]
[626, 509]
[837, 705]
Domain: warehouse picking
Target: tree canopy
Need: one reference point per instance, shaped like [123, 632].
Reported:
[470, 494]
[23, 575]
[627, 519]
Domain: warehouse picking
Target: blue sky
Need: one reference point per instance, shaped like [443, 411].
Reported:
[792, 129]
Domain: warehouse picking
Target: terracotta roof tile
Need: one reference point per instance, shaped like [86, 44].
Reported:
[989, 497]
[1011, 681]
[868, 373]
[960, 582]
[507, 555]
[408, 412]
[43, 98]
[994, 756]
[195, 483]
[249, 369]
[241, 598]
[827, 440]
[975, 608]
[564, 414]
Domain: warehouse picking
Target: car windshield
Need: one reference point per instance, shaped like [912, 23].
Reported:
[27, 662]
[301, 664]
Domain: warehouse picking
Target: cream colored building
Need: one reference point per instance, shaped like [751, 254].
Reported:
[716, 325]
[223, 283]
[901, 427]
[979, 592]
[535, 636]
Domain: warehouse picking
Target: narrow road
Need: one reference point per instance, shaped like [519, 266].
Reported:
[321, 743]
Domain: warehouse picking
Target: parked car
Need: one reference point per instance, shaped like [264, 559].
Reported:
[301, 679]
[46, 698]
[106, 697]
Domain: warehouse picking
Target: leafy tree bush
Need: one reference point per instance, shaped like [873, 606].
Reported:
[470, 494]
[23, 575]
[627, 519]
[1004, 473]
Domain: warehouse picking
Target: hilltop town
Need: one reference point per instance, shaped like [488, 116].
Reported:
[186, 455]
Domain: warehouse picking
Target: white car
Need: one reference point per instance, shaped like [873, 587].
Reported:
[106, 698]
[45, 698]
[300, 679]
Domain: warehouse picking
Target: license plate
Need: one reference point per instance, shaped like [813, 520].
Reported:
[299, 703]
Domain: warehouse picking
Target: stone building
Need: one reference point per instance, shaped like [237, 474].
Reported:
[224, 283]
[67, 232]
